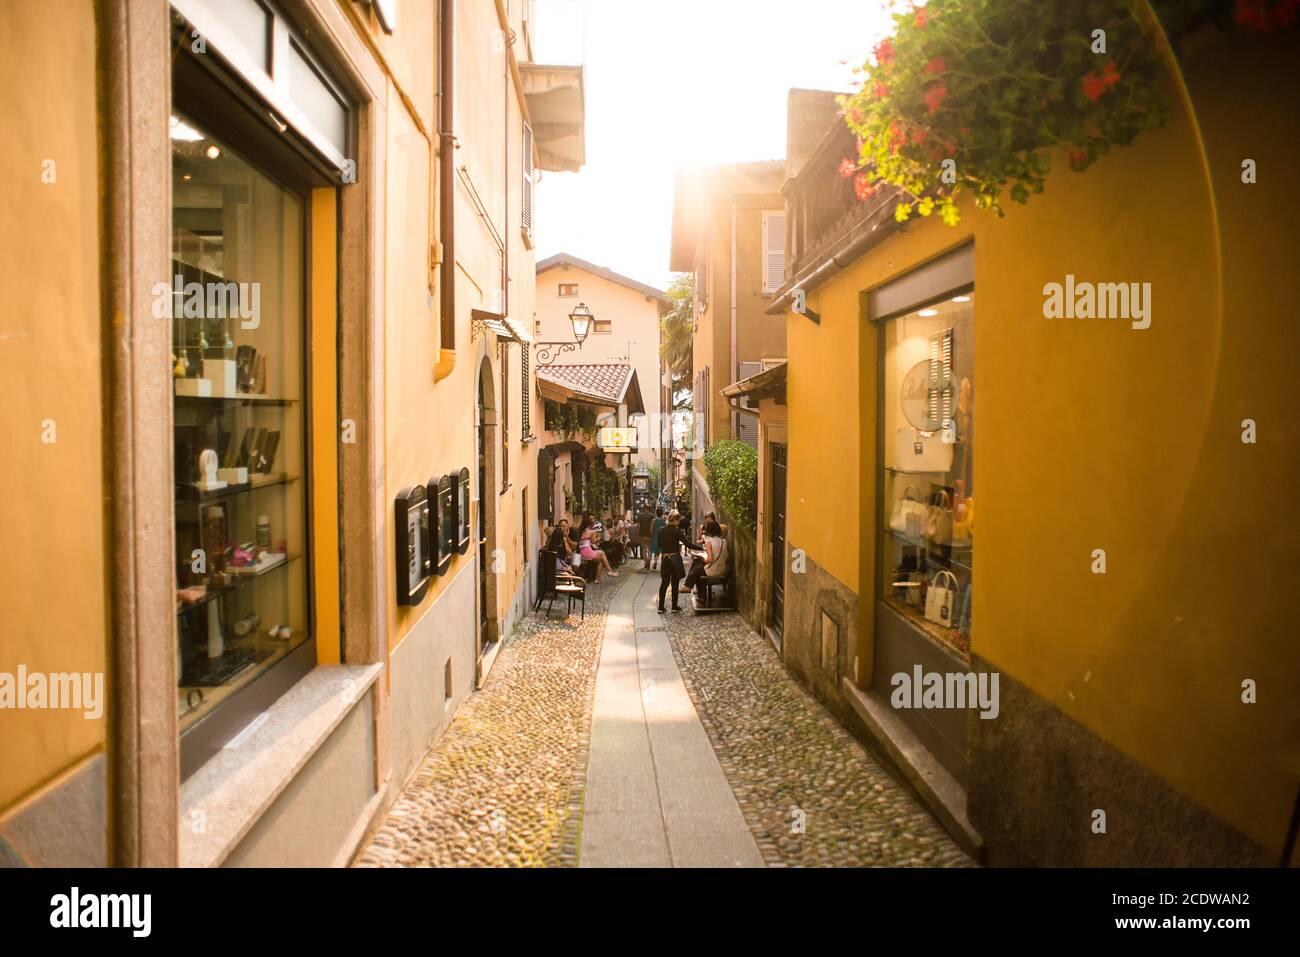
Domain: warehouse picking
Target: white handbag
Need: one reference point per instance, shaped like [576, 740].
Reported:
[917, 451]
[941, 598]
[908, 517]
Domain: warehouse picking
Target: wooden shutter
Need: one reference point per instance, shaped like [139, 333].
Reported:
[526, 192]
[939, 397]
[525, 401]
[747, 425]
[546, 485]
[773, 251]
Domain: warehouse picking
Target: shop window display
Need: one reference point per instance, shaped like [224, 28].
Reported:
[239, 417]
[929, 494]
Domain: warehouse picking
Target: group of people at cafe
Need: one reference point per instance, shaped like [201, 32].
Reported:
[662, 541]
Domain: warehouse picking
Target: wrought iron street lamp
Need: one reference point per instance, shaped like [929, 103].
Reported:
[581, 319]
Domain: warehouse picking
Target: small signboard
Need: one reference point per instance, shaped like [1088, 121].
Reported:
[617, 439]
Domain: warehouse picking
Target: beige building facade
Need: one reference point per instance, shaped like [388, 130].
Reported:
[625, 330]
[729, 230]
[368, 169]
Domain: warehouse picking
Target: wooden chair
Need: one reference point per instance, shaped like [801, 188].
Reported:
[553, 583]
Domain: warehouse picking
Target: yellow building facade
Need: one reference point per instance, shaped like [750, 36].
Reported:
[401, 365]
[1126, 476]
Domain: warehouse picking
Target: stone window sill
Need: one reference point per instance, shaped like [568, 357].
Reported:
[220, 803]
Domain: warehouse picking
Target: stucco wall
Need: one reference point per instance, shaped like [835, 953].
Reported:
[53, 486]
[1092, 434]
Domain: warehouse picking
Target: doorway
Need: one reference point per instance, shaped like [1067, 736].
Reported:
[779, 474]
[485, 527]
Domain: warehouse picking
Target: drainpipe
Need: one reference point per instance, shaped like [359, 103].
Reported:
[505, 173]
[447, 187]
[734, 421]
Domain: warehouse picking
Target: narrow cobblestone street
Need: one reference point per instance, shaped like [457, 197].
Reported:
[513, 781]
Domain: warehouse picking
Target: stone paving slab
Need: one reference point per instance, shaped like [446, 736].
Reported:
[650, 753]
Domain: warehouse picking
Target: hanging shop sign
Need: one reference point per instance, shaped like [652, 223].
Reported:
[616, 439]
[414, 545]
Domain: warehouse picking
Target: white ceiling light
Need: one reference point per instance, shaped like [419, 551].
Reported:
[928, 312]
[179, 131]
[961, 298]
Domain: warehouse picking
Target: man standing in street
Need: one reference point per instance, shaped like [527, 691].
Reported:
[644, 523]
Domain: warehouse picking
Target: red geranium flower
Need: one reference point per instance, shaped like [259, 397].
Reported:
[882, 91]
[884, 51]
[919, 134]
[862, 187]
[1110, 74]
[921, 17]
[934, 97]
[847, 167]
[1093, 86]
[937, 65]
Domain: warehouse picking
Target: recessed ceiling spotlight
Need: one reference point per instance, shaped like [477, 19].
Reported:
[212, 152]
[186, 177]
[961, 298]
[179, 131]
[928, 312]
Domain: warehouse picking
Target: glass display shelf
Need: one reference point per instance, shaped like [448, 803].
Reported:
[237, 581]
[191, 495]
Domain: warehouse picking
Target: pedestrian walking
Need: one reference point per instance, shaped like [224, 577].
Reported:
[655, 528]
[645, 527]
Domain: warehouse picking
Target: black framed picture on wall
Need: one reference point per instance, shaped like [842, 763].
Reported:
[445, 507]
[414, 563]
[462, 511]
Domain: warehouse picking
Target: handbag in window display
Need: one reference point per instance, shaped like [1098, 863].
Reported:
[927, 430]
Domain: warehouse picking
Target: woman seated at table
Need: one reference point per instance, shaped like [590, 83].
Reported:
[588, 551]
[714, 561]
[560, 544]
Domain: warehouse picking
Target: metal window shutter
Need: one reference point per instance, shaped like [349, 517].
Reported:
[773, 252]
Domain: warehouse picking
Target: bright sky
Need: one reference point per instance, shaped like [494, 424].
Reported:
[677, 83]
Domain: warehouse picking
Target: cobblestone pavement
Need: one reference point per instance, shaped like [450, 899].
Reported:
[783, 754]
[503, 785]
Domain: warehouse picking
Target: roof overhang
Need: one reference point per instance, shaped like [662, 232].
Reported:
[552, 387]
[557, 108]
[768, 384]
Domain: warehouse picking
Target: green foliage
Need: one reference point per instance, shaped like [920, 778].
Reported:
[731, 468]
[677, 336]
[571, 420]
[996, 86]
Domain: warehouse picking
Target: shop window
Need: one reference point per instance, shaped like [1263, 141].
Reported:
[928, 438]
[239, 415]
